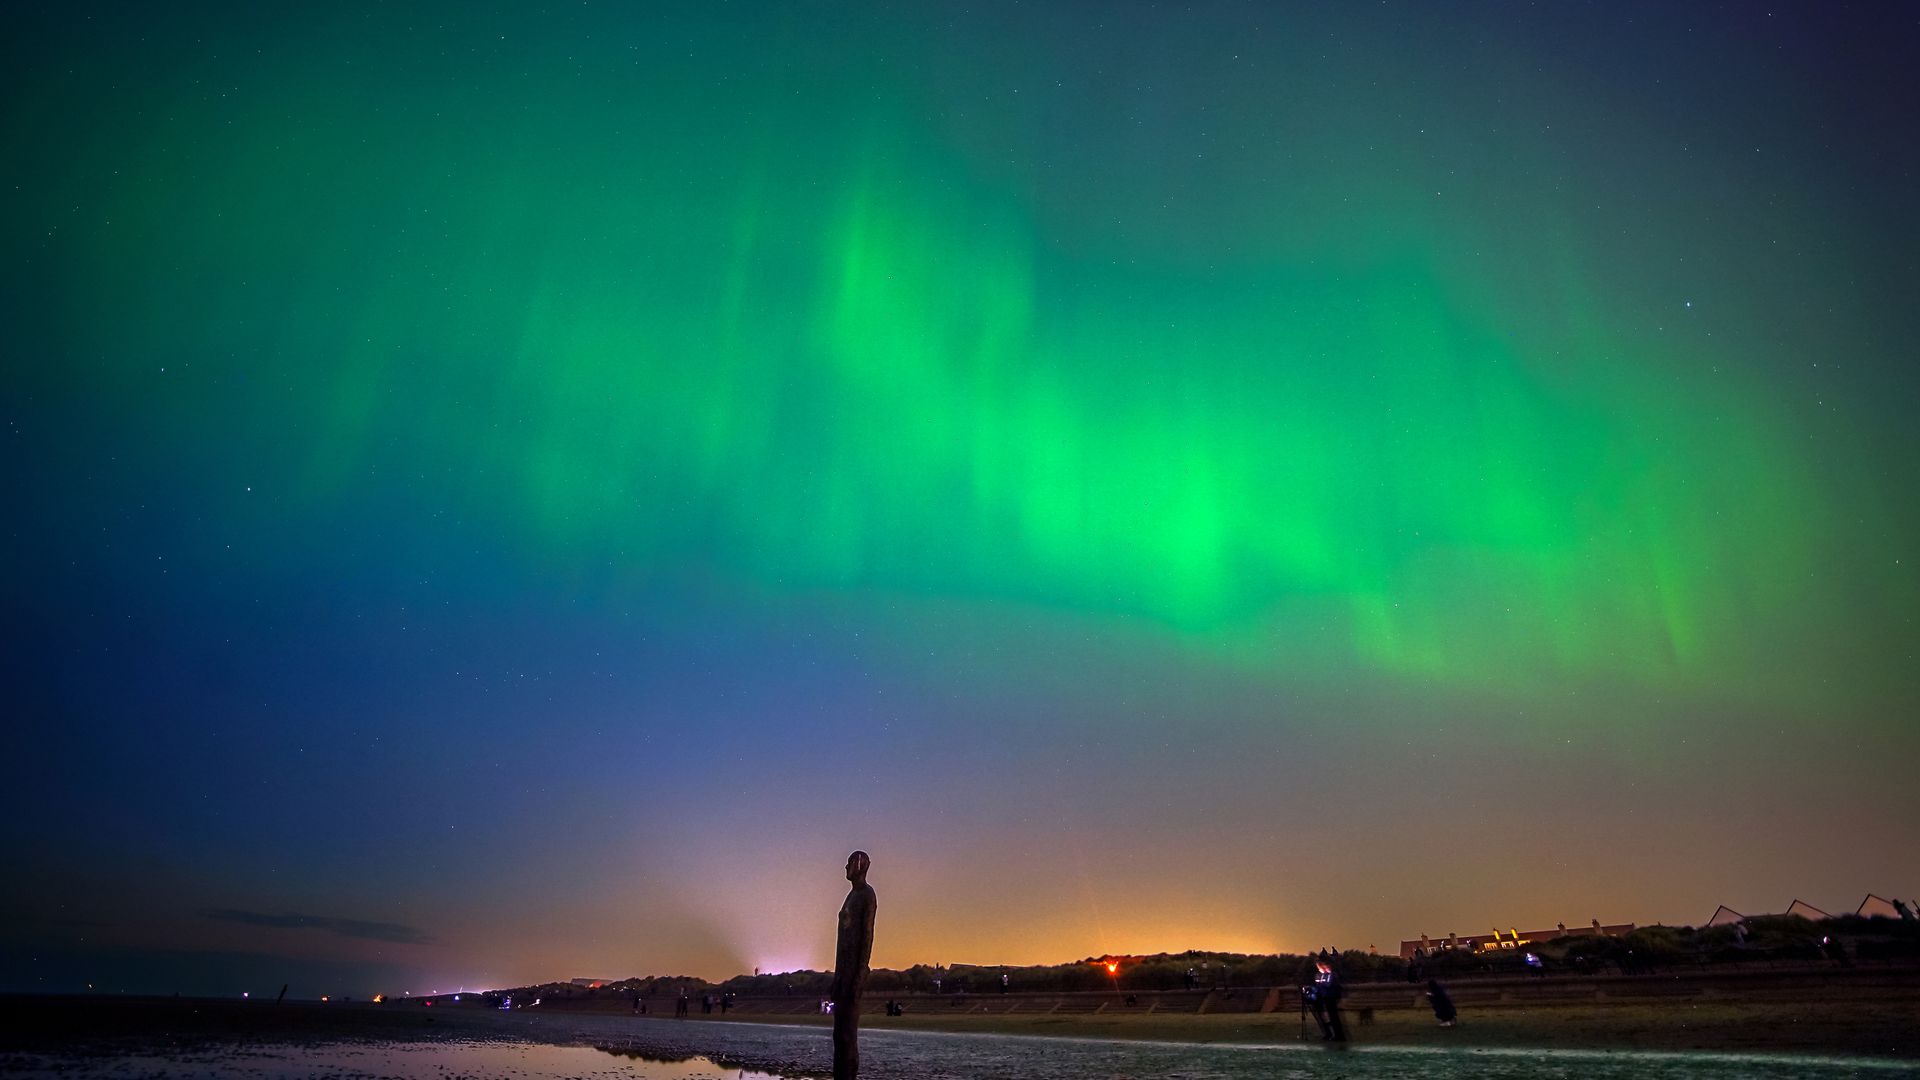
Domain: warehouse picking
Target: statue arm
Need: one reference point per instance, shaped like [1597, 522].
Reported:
[866, 932]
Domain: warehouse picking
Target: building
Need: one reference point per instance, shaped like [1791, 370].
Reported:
[1512, 939]
[1872, 907]
[1875, 907]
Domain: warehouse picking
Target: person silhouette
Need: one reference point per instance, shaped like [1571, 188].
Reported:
[852, 952]
[1442, 1002]
[1328, 990]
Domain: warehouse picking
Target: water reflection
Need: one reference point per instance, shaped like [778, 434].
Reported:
[388, 1061]
[714, 1053]
[687, 1066]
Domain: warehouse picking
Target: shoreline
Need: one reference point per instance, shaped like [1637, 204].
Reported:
[1878, 1022]
[1853, 1028]
[1857, 1011]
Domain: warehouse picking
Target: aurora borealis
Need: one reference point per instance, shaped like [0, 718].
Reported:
[544, 483]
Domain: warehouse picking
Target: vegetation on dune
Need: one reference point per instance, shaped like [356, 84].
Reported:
[1775, 939]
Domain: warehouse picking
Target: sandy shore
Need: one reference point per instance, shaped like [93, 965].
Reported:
[1810, 1011]
[1878, 1026]
[1878, 1021]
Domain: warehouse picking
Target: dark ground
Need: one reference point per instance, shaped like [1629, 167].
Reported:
[1878, 1018]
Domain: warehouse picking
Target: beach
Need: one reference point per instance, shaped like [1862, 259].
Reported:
[1803, 1026]
[1829, 1010]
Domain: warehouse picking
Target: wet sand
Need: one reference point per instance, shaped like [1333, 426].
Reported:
[168, 1040]
[1880, 1022]
[1873, 1027]
[1852, 1012]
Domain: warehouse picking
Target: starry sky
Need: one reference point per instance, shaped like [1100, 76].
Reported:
[498, 492]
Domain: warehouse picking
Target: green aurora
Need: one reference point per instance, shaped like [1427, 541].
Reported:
[705, 332]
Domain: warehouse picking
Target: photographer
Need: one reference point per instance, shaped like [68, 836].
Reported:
[1327, 992]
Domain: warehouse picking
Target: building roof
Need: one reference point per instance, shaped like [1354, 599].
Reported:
[1875, 906]
[1725, 916]
[1872, 907]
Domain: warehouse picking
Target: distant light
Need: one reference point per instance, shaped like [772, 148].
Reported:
[323, 998]
[243, 994]
[1113, 966]
[456, 997]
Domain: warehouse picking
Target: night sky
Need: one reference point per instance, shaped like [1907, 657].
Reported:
[497, 493]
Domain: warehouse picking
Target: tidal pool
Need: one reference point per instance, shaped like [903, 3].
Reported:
[388, 1061]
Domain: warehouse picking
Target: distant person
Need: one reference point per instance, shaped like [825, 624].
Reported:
[853, 951]
[681, 1006]
[1328, 991]
[1442, 1002]
[1536, 965]
[1003, 982]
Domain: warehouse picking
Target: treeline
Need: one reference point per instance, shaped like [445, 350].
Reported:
[1768, 939]
[1163, 971]
[1842, 940]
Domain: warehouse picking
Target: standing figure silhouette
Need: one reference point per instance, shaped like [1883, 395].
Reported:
[851, 955]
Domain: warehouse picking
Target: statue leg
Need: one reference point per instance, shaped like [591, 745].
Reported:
[846, 1039]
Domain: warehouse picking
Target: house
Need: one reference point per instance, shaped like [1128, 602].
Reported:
[1872, 907]
[1512, 939]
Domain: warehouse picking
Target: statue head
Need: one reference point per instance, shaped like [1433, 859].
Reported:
[857, 864]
